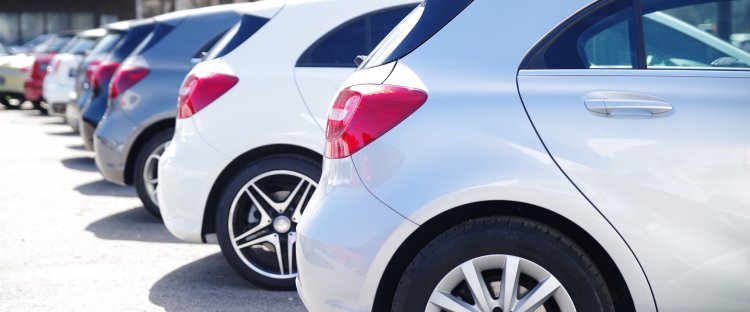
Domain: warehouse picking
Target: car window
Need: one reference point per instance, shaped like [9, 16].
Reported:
[236, 35]
[81, 45]
[356, 37]
[107, 43]
[421, 24]
[602, 39]
[682, 34]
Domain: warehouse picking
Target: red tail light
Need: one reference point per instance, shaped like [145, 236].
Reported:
[91, 70]
[363, 113]
[200, 90]
[126, 78]
[103, 73]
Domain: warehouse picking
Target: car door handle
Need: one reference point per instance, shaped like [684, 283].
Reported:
[626, 104]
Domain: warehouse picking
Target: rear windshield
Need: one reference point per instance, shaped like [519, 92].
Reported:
[107, 43]
[58, 44]
[80, 45]
[244, 29]
[161, 30]
[419, 26]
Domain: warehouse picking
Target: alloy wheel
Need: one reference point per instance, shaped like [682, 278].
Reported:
[263, 219]
[499, 283]
[151, 172]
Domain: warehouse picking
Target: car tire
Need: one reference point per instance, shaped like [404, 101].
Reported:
[257, 238]
[146, 167]
[477, 252]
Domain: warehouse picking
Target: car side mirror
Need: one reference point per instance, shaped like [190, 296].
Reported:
[360, 59]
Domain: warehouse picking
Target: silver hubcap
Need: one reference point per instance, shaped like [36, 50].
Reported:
[263, 219]
[151, 172]
[499, 283]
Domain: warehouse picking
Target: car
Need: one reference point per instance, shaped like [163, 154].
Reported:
[140, 115]
[29, 46]
[250, 120]
[92, 102]
[5, 50]
[115, 33]
[589, 159]
[13, 72]
[43, 54]
[59, 81]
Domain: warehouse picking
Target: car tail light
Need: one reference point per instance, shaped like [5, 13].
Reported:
[200, 90]
[103, 73]
[91, 70]
[125, 78]
[54, 67]
[363, 113]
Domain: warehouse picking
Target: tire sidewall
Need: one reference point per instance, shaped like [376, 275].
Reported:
[299, 164]
[155, 141]
[563, 261]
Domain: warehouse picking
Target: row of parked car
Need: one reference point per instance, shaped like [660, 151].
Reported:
[395, 155]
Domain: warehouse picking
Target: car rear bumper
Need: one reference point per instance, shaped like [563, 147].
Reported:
[32, 90]
[111, 141]
[187, 172]
[346, 239]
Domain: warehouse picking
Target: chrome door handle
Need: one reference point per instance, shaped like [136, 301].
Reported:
[625, 103]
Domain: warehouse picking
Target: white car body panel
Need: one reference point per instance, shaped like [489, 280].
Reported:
[60, 78]
[274, 103]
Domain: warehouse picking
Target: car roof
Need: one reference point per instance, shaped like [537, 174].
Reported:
[92, 33]
[119, 26]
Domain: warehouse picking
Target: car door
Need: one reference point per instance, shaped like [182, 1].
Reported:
[330, 60]
[646, 112]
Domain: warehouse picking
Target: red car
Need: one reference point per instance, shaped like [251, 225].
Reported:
[43, 54]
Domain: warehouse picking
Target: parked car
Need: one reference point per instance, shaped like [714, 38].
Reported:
[13, 72]
[573, 164]
[249, 182]
[29, 45]
[140, 114]
[115, 34]
[43, 54]
[92, 103]
[59, 81]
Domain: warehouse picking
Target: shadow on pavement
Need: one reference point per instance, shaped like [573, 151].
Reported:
[104, 188]
[80, 163]
[209, 284]
[64, 133]
[77, 148]
[132, 225]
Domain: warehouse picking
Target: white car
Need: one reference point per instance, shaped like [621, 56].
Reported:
[61, 73]
[596, 157]
[246, 154]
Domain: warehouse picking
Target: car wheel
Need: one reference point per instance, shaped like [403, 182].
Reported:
[257, 216]
[146, 169]
[502, 264]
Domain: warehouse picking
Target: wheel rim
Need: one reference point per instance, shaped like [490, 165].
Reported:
[151, 172]
[263, 220]
[497, 283]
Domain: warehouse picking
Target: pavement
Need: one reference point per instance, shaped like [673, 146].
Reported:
[70, 241]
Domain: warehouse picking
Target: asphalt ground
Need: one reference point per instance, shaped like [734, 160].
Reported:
[70, 241]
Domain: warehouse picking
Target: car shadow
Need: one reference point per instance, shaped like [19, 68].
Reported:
[80, 163]
[77, 148]
[209, 284]
[70, 133]
[132, 225]
[104, 188]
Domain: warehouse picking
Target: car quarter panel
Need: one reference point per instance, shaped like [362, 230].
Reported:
[483, 132]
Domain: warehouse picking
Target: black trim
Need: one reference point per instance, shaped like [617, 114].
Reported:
[561, 29]
[304, 59]
[638, 35]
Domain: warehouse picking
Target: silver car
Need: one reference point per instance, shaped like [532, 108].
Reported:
[539, 156]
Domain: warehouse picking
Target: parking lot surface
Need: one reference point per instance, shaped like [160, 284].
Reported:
[71, 241]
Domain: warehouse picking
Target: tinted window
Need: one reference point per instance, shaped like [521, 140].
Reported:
[356, 37]
[601, 39]
[419, 26]
[106, 43]
[81, 45]
[695, 34]
[135, 35]
[160, 31]
[58, 44]
[236, 35]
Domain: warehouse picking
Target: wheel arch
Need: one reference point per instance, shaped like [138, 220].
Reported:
[140, 140]
[441, 223]
[209, 215]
